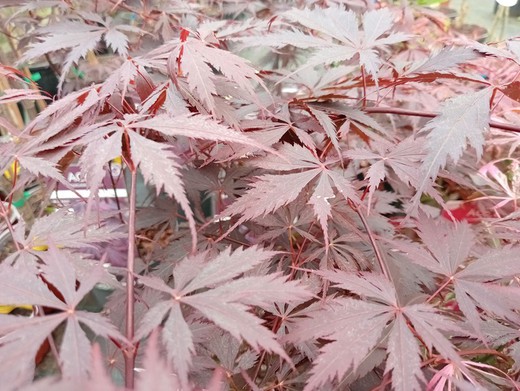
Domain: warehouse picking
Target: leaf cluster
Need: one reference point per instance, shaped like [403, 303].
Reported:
[318, 196]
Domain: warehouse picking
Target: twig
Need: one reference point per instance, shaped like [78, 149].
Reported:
[130, 352]
[480, 352]
[364, 85]
[427, 114]
[5, 214]
[52, 65]
[380, 259]
[249, 381]
[113, 182]
[441, 288]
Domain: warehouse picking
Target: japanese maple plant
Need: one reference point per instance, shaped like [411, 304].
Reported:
[330, 199]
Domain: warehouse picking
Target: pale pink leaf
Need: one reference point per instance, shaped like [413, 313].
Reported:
[199, 75]
[404, 358]
[117, 41]
[100, 325]
[95, 157]
[444, 60]
[332, 21]
[492, 298]
[295, 157]
[158, 165]
[493, 265]
[376, 23]
[75, 350]
[63, 113]
[64, 229]
[21, 339]
[21, 287]
[228, 265]
[456, 241]
[189, 268]
[39, 166]
[235, 319]
[343, 185]
[99, 379]
[321, 205]
[156, 375]
[365, 285]
[178, 340]
[233, 67]
[462, 120]
[17, 95]
[269, 193]
[59, 272]
[428, 324]
[335, 318]
[196, 126]
[153, 318]
[78, 34]
[468, 308]
[356, 324]
[328, 126]
[261, 291]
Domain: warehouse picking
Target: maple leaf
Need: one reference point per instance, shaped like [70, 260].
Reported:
[362, 122]
[80, 38]
[197, 61]
[209, 309]
[52, 134]
[294, 219]
[270, 191]
[365, 324]
[105, 146]
[476, 281]
[403, 159]
[151, 156]
[338, 25]
[404, 357]
[66, 229]
[158, 165]
[17, 95]
[359, 324]
[281, 123]
[156, 374]
[39, 166]
[443, 60]
[462, 119]
[22, 286]
[61, 114]
[210, 288]
[328, 126]
[196, 126]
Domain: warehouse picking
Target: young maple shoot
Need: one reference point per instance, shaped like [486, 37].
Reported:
[269, 196]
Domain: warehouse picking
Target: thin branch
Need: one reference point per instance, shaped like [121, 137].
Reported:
[441, 288]
[428, 114]
[480, 352]
[52, 65]
[249, 381]
[5, 214]
[130, 352]
[379, 256]
[113, 182]
[364, 86]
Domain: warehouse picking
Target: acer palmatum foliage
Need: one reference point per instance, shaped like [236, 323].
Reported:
[320, 196]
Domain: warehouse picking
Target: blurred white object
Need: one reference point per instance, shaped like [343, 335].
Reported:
[507, 3]
[501, 18]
